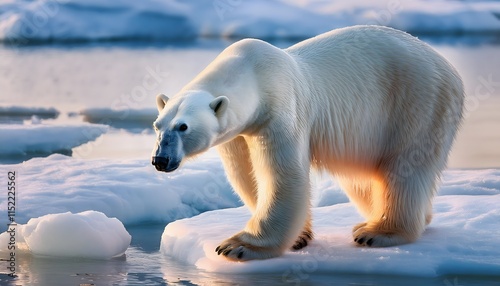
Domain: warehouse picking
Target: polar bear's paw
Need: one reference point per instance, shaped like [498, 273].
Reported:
[237, 249]
[358, 226]
[303, 240]
[366, 234]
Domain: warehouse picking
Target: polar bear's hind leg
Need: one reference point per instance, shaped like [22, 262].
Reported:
[401, 210]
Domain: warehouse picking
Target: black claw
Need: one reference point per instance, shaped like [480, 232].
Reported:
[303, 242]
[217, 249]
[220, 251]
[307, 234]
[369, 242]
[226, 252]
[361, 240]
[356, 239]
[240, 254]
[300, 243]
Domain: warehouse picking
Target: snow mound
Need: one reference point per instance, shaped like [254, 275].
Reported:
[120, 117]
[460, 240]
[130, 190]
[87, 234]
[46, 139]
[22, 22]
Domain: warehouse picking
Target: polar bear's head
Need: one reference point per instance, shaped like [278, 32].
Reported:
[187, 124]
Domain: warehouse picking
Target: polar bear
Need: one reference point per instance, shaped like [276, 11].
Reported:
[373, 106]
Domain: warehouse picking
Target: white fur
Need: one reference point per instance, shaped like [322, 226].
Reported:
[374, 106]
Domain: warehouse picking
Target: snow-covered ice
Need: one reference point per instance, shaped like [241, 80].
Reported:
[41, 138]
[55, 20]
[462, 239]
[128, 189]
[87, 234]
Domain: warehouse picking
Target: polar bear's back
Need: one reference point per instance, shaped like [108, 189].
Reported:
[376, 90]
[362, 54]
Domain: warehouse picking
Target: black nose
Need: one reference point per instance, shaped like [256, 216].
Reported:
[160, 163]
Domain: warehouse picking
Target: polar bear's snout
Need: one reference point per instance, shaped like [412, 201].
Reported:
[160, 163]
[167, 154]
[164, 164]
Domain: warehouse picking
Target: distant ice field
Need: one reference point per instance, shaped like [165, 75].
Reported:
[24, 22]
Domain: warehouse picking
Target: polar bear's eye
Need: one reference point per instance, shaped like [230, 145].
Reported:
[183, 127]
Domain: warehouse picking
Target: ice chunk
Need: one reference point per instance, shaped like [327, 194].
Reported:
[18, 139]
[88, 234]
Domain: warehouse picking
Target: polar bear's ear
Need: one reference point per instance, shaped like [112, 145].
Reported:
[219, 105]
[161, 100]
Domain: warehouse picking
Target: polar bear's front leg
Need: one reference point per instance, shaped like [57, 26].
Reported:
[282, 173]
[239, 170]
